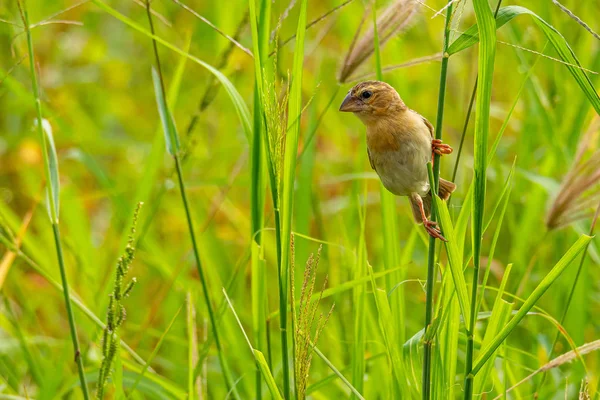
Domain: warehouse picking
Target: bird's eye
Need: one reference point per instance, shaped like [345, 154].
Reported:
[366, 94]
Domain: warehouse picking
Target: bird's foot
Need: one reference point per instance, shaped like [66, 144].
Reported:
[433, 230]
[437, 147]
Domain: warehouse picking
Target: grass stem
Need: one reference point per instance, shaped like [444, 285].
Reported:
[469, 109]
[183, 193]
[487, 52]
[209, 307]
[53, 206]
[72, 326]
[426, 375]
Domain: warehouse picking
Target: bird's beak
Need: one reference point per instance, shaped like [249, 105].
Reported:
[349, 104]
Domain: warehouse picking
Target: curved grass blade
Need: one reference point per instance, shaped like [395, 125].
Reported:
[505, 15]
[552, 276]
[51, 173]
[454, 258]
[263, 366]
[170, 132]
[54, 189]
[500, 315]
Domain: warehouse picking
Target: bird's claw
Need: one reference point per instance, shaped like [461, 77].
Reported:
[440, 148]
[433, 230]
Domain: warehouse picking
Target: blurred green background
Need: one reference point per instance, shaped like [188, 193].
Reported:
[96, 86]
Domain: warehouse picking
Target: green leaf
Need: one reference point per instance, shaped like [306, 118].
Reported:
[169, 129]
[266, 373]
[289, 177]
[454, 258]
[548, 280]
[502, 202]
[53, 188]
[500, 315]
[506, 14]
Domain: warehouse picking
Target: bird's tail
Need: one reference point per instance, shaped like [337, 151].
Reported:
[445, 189]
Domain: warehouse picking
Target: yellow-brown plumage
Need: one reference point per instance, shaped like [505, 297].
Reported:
[399, 143]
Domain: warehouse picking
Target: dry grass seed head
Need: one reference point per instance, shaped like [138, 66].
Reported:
[390, 22]
[579, 191]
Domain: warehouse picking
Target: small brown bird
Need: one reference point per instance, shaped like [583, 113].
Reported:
[400, 142]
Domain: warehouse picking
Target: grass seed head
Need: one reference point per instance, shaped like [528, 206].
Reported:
[393, 20]
[579, 192]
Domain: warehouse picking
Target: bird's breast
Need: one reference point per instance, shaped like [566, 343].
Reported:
[400, 160]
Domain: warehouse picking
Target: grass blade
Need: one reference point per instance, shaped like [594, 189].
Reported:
[487, 51]
[434, 180]
[258, 355]
[289, 171]
[454, 259]
[260, 44]
[500, 315]
[171, 137]
[54, 189]
[548, 280]
[51, 172]
[505, 15]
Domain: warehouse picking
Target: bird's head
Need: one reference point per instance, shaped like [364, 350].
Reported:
[372, 99]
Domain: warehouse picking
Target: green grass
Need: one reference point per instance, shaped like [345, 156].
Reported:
[233, 150]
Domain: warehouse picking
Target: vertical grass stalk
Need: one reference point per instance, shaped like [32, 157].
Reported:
[468, 116]
[287, 203]
[172, 140]
[52, 187]
[260, 40]
[486, 26]
[426, 375]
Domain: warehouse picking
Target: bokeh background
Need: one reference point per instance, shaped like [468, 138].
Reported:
[96, 86]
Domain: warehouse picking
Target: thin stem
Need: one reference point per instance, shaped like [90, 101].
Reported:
[464, 130]
[426, 390]
[72, 327]
[211, 314]
[52, 205]
[190, 223]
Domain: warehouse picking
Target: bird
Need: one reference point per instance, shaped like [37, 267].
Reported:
[400, 143]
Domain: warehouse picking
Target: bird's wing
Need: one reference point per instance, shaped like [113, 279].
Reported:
[427, 123]
[370, 159]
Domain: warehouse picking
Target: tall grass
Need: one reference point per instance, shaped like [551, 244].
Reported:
[427, 352]
[50, 160]
[173, 148]
[375, 344]
[487, 48]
